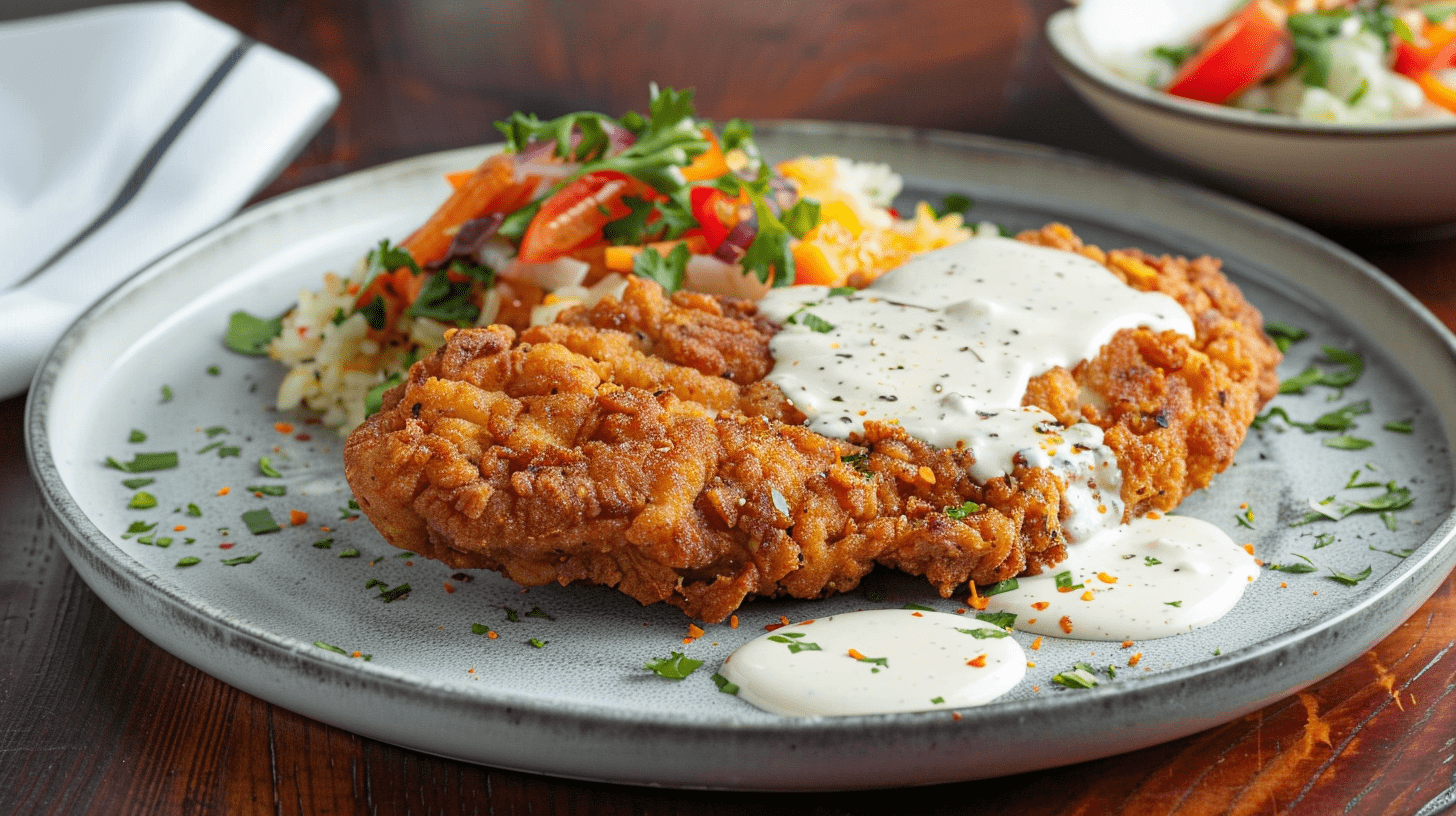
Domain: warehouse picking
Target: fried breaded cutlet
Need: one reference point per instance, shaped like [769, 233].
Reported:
[636, 444]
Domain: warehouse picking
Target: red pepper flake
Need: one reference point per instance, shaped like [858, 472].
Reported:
[979, 662]
[1066, 624]
[357, 654]
[1249, 548]
[960, 611]
[226, 545]
[492, 635]
[1036, 645]
[688, 640]
[223, 491]
[916, 615]
[1284, 585]
[955, 715]
[783, 620]
[732, 621]
[768, 627]
[449, 588]
[325, 529]
[353, 289]
[1133, 661]
[303, 437]
[283, 427]
[179, 528]
[302, 331]
[695, 630]
[1040, 605]
[1036, 688]
[1030, 621]
[297, 518]
[1127, 644]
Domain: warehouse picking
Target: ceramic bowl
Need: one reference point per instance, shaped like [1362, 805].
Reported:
[1393, 176]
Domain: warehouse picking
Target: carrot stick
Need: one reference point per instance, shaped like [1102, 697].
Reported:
[493, 181]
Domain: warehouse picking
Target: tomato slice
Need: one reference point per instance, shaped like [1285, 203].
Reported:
[1438, 52]
[713, 209]
[1250, 46]
[575, 215]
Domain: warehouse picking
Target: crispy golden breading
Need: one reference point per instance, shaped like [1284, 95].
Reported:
[636, 445]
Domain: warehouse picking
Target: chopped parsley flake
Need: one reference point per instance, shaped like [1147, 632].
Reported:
[938, 700]
[1295, 569]
[842, 290]
[142, 501]
[260, 521]
[226, 451]
[860, 462]
[349, 553]
[983, 634]
[143, 462]
[269, 490]
[324, 543]
[479, 629]
[1324, 540]
[266, 466]
[1149, 561]
[214, 431]
[212, 446]
[214, 370]
[1396, 553]
[537, 642]
[1173, 603]
[1001, 620]
[816, 323]
[166, 393]
[724, 685]
[1283, 334]
[1064, 582]
[953, 203]
[242, 559]
[1347, 443]
[140, 527]
[1245, 519]
[882, 662]
[675, 666]
[193, 510]
[251, 335]
[965, 509]
[1077, 678]
[1000, 587]
[133, 484]
[1354, 366]
[1348, 580]
[915, 606]
[537, 613]
[511, 615]
[398, 593]
[795, 646]
[1404, 426]
[189, 561]
[136, 436]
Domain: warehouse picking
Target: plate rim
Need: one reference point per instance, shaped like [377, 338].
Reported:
[105, 569]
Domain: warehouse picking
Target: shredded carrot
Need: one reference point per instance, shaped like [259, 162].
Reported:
[357, 654]
[769, 627]
[449, 588]
[283, 427]
[960, 611]
[1036, 645]
[179, 528]
[1284, 585]
[1030, 621]
[297, 518]
[732, 621]
[979, 662]
[1133, 661]
[855, 653]
[226, 545]
[325, 530]
[223, 491]
[688, 640]
[1066, 624]
[1127, 644]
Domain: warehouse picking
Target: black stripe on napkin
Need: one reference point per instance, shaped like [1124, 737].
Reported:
[154, 155]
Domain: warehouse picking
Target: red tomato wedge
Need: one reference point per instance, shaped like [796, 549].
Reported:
[1250, 46]
[1438, 91]
[713, 209]
[1439, 51]
[576, 214]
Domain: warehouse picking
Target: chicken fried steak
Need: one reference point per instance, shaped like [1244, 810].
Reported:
[635, 444]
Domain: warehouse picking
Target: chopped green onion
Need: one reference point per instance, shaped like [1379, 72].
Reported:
[724, 685]
[242, 559]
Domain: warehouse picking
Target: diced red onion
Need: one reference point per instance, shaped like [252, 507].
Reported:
[735, 244]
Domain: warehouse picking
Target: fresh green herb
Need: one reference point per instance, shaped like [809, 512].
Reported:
[136, 436]
[511, 615]
[1340, 419]
[376, 561]
[269, 490]
[965, 509]
[1355, 482]
[1076, 678]
[937, 700]
[1394, 498]
[479, 629]
[1389, 519]
[188, 540]
[802, 217]
[1354, 366]
[882, 662]
[1245, 519]
[374, 582]
[1000, 587]
[405, 554]
[349, 553]
[537, 613]
[139, 527]
[538, 643]
[1396, 553]
[815, 323]
[324, 543]
[143, 462]
[668, 271]
[214, 370]
[860, 462]
[193, 510]
[226, 451]
[1173, 603]
[251, 335]
[142, 501]
[1064, 582]
[375, 313]
[1324, 540]
[447, 300]
[242, 559]
[396, 594]
[1149, 561]
[1296, 569]
[983, 634]
[842, 291]
[1362, 89]
[1001, 620]
[675, 666]
[266, 466]
[351, 511]
[214, 431]
[189, 561]
[1347, 443]
[1283, 334]
[723, 684]
[1348, 580]
[1404, 426]
[212, 446]
[260, 521]
[133, 484]
[164, 542]
[148, 540]
[374, 397]
[912, 605]
[953, 203]
[335, 649]
[795, 646]
[1174, 55]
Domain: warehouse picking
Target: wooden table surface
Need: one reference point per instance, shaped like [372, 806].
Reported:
[95, 719]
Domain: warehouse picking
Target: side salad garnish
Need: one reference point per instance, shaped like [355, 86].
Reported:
[1334, 61]
[562, 215]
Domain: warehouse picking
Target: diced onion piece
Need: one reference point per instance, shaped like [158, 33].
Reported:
[710, 275]
[549, 275]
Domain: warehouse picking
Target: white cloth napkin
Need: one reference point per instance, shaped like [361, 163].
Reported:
[124, 132]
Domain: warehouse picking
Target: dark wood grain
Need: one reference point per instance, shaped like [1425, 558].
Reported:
[95, 719]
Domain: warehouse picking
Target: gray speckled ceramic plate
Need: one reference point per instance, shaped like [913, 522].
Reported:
[581, 705]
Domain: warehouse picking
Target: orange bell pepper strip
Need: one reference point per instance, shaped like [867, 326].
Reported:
[1438, 91]
[621, 258]
[709, 164]
[1439, 51]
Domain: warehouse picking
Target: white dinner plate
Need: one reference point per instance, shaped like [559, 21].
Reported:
[581, 704]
